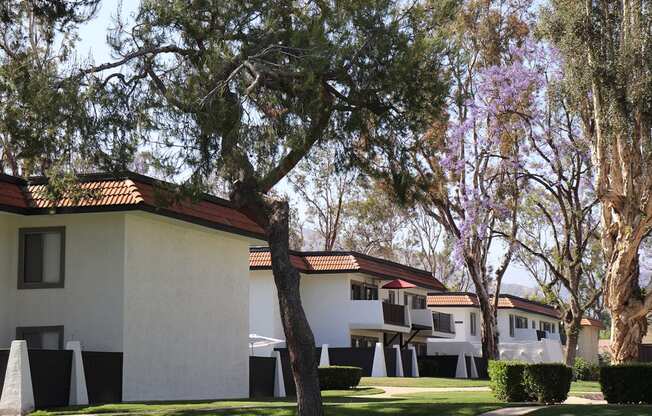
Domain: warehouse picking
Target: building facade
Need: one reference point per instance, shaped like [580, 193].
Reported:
[162, 286]
[345, 302]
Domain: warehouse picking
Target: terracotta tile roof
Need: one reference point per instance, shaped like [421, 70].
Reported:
[592, 322]
[130, 191]
[352, 262]
[504, 302]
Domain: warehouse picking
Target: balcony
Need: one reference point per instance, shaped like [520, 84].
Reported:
[394, 314]
[376, 315]
[443, 322]
[421, 319]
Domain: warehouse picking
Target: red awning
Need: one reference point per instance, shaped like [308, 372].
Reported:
[398, 284]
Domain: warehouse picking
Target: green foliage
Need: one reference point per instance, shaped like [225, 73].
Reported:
[548, 383]
[584, 370]
[339, 377]
[627, 383]
[506, 380]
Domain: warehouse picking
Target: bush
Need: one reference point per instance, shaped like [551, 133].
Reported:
[548, 383]
[339, 377]
[585, 371]
[506, 380]
[627, 383]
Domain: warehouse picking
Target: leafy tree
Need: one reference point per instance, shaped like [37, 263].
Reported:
[608, 62]
[326, 189]
[463, 171]
[244, 90]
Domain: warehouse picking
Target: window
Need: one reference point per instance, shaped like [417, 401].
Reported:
[360, 291]
[358, 341]
[41, 337]
[511, 326]
[553, 326]
[41, 254]
[418, 302]
[534, 326]
[545, 326]
[473, 324]
[421, 348]
[371, 292]
[356, 291]
[521, 322]
[392, 298]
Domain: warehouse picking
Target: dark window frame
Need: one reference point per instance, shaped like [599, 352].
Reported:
[22, 284]
[520, 322]
[511, 326]
[20, 331]
[473, 323]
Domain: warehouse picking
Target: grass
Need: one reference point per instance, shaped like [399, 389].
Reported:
[342, 403]
[585, 386]
[422, 382]
[593, 410]
[578, 386]
[338, 403]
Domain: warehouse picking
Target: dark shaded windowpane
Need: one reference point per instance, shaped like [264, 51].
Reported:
[33, 258]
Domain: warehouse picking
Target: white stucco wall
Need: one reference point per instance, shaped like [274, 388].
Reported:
[186, 312]
[90, 304]
[7, 281]
[264, 315]
[463, 327]
[587, 343]
[326, 299]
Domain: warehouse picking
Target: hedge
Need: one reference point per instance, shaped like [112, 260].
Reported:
[506, 380]
[548, 383]
[627, 383]
[585, 371]
[339, 377]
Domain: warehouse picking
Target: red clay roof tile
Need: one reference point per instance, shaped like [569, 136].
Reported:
[340, 262]
[504, 302]
[592, 322]
[130, 192]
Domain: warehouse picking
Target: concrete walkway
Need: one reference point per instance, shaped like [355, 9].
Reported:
[512, 411]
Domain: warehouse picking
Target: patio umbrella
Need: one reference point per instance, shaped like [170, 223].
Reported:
[398, 284]
[259, 341]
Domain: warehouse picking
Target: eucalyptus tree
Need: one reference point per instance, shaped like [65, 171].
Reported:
[244, 91]
[606, 46]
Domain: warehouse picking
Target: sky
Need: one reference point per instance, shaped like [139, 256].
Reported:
[93, 45]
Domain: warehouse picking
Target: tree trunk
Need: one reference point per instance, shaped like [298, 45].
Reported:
[298, 335]
[624, 299]
[489, 332]
[572, 329]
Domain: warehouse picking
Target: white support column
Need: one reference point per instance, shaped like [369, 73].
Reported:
[324, 358]
[460, 371]
[415, 362]
[78, 390]
[474, 368]
[279, 381]
[17, 393]
[399, 361]
[379, 368]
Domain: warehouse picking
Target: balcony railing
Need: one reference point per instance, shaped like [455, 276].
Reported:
[443, 322]
[394, 314]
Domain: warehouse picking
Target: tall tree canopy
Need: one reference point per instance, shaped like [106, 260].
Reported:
[463, 170]
[244, 90]
[607, 53]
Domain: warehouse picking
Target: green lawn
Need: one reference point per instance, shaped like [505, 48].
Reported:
[338, 403]
[422, 382]
[592, 410]
[578, 386]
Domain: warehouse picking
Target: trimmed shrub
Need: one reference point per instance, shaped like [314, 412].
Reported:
[548, 383]
[506, 381]
[339, 377]
[627, 383]
[585, 371]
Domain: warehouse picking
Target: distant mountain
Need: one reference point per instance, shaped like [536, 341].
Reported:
[518, 290]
